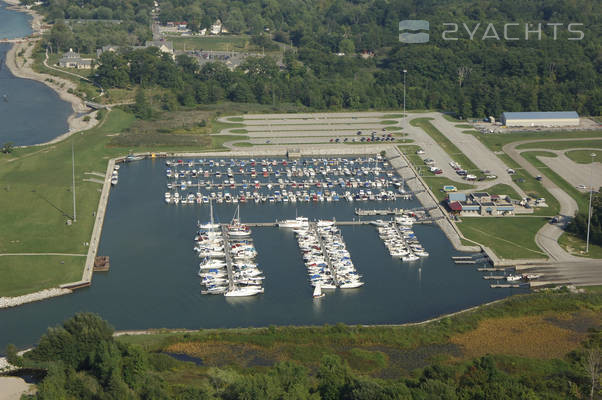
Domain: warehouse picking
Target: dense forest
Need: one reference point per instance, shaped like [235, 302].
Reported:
[82, 360]
[578, 225]
[475, 78]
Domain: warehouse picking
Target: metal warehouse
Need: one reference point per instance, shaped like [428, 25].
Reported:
[541, 118]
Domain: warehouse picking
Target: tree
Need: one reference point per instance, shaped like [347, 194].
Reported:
[332, 377]
[347, 46]
[142, 108]
[7, 147]
[592, 367]
[12, 356]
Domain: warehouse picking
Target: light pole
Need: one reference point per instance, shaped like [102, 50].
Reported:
[589, 209]
[404, 94]
[73, 181]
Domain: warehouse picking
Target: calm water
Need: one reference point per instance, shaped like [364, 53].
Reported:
[13, 24]
[153, 281]
[30, 112]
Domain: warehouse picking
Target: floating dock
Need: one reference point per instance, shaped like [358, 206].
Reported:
[228, 252]
[313, 227]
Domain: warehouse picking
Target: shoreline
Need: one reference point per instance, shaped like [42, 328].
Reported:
[21, 67]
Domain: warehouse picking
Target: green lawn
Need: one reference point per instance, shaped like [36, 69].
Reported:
[388, 122]
[495, 142]
[584, 156]
[243, 144]
[532, 187]
[576, 246]
[214, 43]
[580, 198]
[562, 145]
[502, 188]
[450, 148]
[37, 199]
[436, 184]
[26, 274]
[508, 237]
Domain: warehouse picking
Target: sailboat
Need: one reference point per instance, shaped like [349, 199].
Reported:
[318, 291]
[236, 229]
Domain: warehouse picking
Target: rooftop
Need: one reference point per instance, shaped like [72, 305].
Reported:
[541, 115]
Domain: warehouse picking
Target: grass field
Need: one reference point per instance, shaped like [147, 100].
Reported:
[37, 199]
[562, 145]
[576, 246]
[580, 198]
[26, 274]
[535, 336]
[584, 156]
[495, 142]
[502, 188]
[393, 351]
[532, 187]
[214, 43]
[436, 184]
[508, 237]
[454, 152]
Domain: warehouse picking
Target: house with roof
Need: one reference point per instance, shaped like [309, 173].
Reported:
[479, 204]
[72, 59]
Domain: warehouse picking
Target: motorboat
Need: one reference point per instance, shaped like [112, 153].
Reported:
[244, 291]
[299, 222]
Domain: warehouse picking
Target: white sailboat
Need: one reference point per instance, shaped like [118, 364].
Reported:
[318, 291]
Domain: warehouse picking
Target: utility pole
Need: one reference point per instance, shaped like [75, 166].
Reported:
[404, 94]
[589, 210]
[73, 180]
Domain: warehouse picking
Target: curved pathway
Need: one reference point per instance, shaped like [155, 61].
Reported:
[547, 237]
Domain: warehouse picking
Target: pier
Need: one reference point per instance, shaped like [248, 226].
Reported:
[227, 251]
[333, 271]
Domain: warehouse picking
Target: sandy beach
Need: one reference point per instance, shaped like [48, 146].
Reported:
[11, 388]
[19, 61]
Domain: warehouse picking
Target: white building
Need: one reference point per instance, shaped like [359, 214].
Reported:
[71, 59]
[540, 118]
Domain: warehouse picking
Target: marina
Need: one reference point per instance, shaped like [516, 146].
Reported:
[153, 279]
[269, 181]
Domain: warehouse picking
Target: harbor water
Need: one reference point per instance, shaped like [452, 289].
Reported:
[153, 280]
[30, 112]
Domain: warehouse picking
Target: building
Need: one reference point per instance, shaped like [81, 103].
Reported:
[479, 204]
[71, 59]
[164, 46]
[540, 118]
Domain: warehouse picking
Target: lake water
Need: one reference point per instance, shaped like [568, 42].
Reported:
[13, 24]
[153, 279]
[30, 112]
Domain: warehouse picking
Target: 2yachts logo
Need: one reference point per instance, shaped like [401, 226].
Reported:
[413, 25]
[511, 31]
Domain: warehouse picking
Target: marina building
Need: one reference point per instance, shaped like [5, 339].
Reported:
[540, 118]
[479, 204]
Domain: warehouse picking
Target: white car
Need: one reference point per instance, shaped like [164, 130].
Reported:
[582, 187]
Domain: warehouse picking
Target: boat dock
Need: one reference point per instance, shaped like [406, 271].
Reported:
[508, 285]
[228, 253]
[333, 271]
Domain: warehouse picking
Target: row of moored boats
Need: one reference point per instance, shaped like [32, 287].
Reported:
[228, 255]
[325, 255]
[400, 239]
